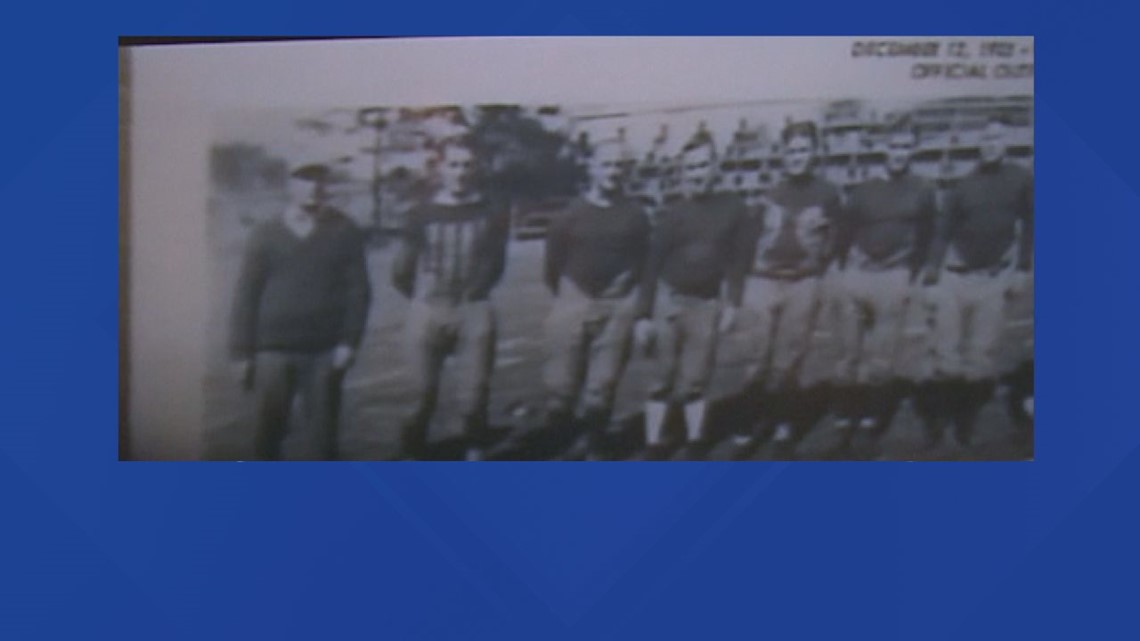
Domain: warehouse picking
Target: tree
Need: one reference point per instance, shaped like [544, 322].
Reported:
[524, 160]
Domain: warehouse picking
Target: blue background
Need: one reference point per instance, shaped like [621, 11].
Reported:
[92, 546]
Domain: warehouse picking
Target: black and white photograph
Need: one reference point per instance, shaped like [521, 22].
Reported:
[728, 266]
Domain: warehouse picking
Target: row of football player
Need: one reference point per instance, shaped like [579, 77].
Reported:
[303, 295]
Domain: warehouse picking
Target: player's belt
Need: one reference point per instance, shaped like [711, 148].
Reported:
[895, 260]
[991, 270]
[787, 275]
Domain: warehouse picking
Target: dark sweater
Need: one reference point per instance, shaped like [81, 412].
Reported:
[890, 222]
[981, 218]
[698, 245]
[301, 294]
[794, 237]
[593, 246]
[454, 253]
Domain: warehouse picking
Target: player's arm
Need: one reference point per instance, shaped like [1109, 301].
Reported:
[247, 297]
[946, 223]
[358, 290]
[408, 255]
[1025, 248]
[834, 213]
[847, 220]
[660, 244]
[924, 229]
[640, 246]
[743, 251]
[557, 248]
[492, 255]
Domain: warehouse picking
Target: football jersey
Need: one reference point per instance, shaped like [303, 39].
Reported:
[982, 217]
[795, 228]
[888, 223]
[453, 252]
[600, 249]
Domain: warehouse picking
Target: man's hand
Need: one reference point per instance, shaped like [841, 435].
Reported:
[1018, 284]
[620, 284]
[342, 356]
[643, 335]
[242, 372]
[727, 319]
[930, 276]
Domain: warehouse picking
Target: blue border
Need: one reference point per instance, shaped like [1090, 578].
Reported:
[935, 551]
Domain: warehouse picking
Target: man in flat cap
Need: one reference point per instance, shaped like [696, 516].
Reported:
[298, 316]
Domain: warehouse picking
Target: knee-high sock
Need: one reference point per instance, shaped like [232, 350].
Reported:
[843, 402]
[594, 423]
[654, 421]
[778, 406]
[1020, 399]
[755, 403]
[969, 399]
[695, 419]
[933, 404]
[890, 397]
[797, 409]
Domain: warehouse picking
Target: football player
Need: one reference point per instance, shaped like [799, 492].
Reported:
[452, 255]
[696, 252]
[790, 247]
[977, 257]
[595, 256]
[884, 242]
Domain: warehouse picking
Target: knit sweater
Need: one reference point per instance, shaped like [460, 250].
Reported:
[793, 235]
[889, 223]
[699, 245]
[593, 246]
[301, 294]
[981, 220]
[453, 253]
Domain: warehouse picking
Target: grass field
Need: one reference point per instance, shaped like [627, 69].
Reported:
[376, 393]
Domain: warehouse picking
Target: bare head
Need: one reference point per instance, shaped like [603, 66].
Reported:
[457, 168]
[992, 143]
[698, 166]
[801, 144]
[606, 166]
[900, 149]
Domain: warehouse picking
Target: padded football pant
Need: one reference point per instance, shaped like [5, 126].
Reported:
[464, 332]
[589, 342]
[686, 347]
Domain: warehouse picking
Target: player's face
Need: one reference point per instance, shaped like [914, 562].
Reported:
[606, 168]
[899, 150]
[798, 155]
[697, 168]
[307, 193]
[993, 144]
[457, 170]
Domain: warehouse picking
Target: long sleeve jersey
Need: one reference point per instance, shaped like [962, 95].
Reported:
[301, 294]
[793, 235]
[889, 223]
[601, 250]
[980, 223]
[454, 253]
[699, 245]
